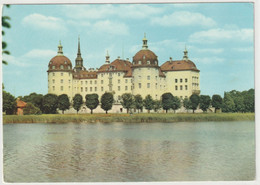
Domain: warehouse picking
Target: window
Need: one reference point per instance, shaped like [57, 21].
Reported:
[155, 62]
[148, 77]
[90, 81]
[95, 88]
[81, 83]
[126, 88]
[61, 81]
[186, 87]
[102, 88]
[126, 80]
[81, 89]
[176, 87]
[53, 74]
[181, 80]
[86, 89]
[102, 75]
[176, 80]
[53, 81]
[181, 97]
[139, 62]
[69, 87]
[53, 67]
[68, 67]
[119, 81]
[118, 74]
[53, 88]
[148, 62]
[181, 87]
[95, 82]
[90, 89]
[65, 62]
[118, 88]
[186, 80]
[61, 74]
[69, 81]
[61, 88]
[61, 67]
[102, 81]
[140, 85]
[156, 86]
[119, 97]
[86, 82]
[148, 85]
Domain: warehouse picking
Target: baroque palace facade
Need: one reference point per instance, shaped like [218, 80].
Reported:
[141, 76]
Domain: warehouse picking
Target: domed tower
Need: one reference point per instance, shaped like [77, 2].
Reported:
[60, 74]
[146, 72]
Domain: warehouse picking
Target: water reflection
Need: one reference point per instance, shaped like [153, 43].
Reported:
[129, 152]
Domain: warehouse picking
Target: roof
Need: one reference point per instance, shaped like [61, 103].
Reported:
[117, 65]
[85, 74]
[179, 65]
[146, 57]
[20, 103]
[60, 62]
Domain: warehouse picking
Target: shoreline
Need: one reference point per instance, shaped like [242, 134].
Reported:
[127, 118]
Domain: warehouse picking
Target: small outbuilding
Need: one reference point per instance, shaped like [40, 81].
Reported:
[20, 106]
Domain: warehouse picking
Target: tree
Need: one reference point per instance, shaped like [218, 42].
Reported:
[5, 24]
[50, 104]
[249, 100]
[31, 109]
[107, 100]
[187, 104]
[9, 103]
[92, 101]
[176, 103]
[167, 99]
[35, 99]
[157, 105]
[194, 99]
[216, 102]
[138, 102]
[127, 101]
[77, 102]
[204, 102]
[148, 103]
[239, 104]
[63, 102]
[228, 103]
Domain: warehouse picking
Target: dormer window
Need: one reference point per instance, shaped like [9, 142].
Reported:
[155, 62]
[65, 62]
[61, 67]
[68, 67]
[53, 67]
[140, 62]
[148, 62]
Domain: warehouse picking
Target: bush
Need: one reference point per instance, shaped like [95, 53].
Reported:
[31, 109]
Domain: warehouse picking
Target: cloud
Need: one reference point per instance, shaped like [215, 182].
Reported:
[184, 18]
[37, 53]
[110, 27]
[38, 21]
[93, 12]
[245, 49]
[216, 35]
[206, 50]
[207, 60]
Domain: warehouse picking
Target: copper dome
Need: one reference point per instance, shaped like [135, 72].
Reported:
[145, 57]
[60, 62]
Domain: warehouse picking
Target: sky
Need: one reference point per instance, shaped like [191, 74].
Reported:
[219, 38]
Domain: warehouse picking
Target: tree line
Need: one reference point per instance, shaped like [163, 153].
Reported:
[233, 101]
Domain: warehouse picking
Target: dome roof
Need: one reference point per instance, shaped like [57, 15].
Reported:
[145, 57]
[60, 62]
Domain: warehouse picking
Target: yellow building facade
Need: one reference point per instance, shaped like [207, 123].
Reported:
[142, 75]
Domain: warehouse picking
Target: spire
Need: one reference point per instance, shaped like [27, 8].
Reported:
[79, 54]
[145, 46]
[79, 61]
[60, 52]
[185, 56]
[107, 58]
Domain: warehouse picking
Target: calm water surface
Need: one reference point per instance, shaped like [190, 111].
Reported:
[129, 152]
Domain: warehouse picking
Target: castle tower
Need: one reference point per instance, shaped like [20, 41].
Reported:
[79, 61]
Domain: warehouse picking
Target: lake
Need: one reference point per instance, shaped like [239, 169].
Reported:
[201, 151]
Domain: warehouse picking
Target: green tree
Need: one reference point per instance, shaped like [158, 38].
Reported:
[187, 104]
[167, 100]
[239, 104]
[50, 104]
[77, 102]
[228, 103]
[9, 103]
[127, 101]
[249, 100]
[5, 24]
[204, 102]
[216, 102]
[176, 103]
[107, 100]
[195, 100]
[31, 109]
[63, 102]
[92, 101]
[34, 98]
[157, 105]
[138, 102]
[148, 103]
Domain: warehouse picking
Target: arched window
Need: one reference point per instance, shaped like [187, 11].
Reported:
[61, 67]
[53, 67]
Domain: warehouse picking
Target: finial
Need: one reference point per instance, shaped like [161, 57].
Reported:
[185, 56]
[60, 52]
[145, 46]
[107, 58]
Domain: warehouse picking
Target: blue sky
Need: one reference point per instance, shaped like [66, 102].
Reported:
[218, 36]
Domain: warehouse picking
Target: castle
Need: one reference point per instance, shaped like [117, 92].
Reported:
[141, 76]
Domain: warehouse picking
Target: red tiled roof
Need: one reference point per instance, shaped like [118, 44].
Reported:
[144, 56]
[59, 60]
[117, 65]
[20, 103]
[85, 74]
[179, 65]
